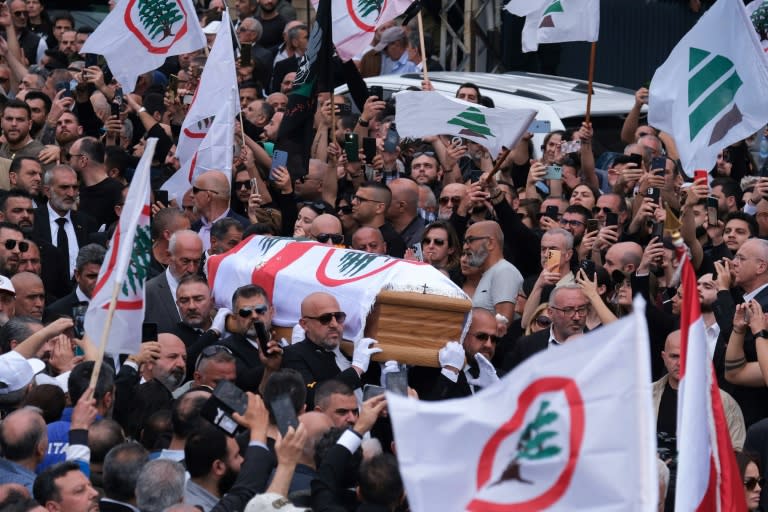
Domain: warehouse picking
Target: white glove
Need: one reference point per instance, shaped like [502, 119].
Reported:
[452, 354]
[364, 349]
[220, 320]
[487, 375]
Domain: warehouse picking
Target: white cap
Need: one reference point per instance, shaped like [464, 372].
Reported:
[271, 501]
[6, 285]
[16, 372]
[212, 27]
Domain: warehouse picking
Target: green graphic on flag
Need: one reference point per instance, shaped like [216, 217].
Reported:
[159, 16]
[136, 274]
[473, 123]
[555, 7]
[366, 7]
[715, 102]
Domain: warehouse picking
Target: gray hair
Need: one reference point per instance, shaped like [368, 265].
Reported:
[91, 253]
[48, 176]
[17, 328]
[175, 237]
[254, 25]
[564, 233]
[160, 485]
[553, 295]
[220, 228]
[431, 201]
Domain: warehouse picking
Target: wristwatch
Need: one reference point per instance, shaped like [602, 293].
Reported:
[761, 334]
[362, 123]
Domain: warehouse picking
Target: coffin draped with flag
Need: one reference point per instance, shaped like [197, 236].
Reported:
[138, 35]
[556, 21]
[710, 92]
[125, 266]
[572, 428]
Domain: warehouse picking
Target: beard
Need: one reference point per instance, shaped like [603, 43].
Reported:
[172, 379]
[477, 258]
[227, 481]
[701, 231]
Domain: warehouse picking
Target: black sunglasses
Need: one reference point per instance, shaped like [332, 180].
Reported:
[751, 483]
[243, 184]
[10, 244]
[247, 312]
[484, 336]
[422, 153]
[452, 199]
[333, 237]
[210, 351]
[604, 209]
[326, 318]
[543, 321]
[437, 241]
[345, 210]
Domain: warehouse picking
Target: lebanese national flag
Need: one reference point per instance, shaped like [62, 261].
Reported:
[125, 267]
[138, 35]
[708, 478]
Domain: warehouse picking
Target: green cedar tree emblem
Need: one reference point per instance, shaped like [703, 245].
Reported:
[473, 123]
[366, 7]
[136, 274]
[531, 445]
[158, 17]
[760, 20]
[352, 263]
[555, 7]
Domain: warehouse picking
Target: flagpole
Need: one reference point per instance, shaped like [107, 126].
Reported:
[423, 47]
[591, 77]
[105, 333]
[242, 130]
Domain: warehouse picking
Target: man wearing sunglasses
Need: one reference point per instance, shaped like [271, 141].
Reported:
[11, 245]
[318, 357]
[327, 230]
[369, 207]
[211, 196]
[250, 305]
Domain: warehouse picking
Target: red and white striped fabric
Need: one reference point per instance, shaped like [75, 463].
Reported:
[708, 478]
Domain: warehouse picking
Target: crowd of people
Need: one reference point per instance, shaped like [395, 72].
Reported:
[545, 257]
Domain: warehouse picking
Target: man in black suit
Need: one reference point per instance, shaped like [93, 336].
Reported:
[568, 309]
[211, 196]
[185, 249]
[57, 223]
[122, 466]
[251, 305]
[318, 357]
[89, 260]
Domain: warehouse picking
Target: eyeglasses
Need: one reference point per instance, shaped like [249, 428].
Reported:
[472, 239]
[21, 14]
[598, 209]
[326, 318]
[345, 210]
[10, 244]
[573, 223]
[450, 199]
[424, 153]
[484, 336]
[243, 184]
[211, 351]
[333, 237]
[752, 482]
[247, 312]
[437, 241]
[365, 199]
[570, 311]
[543, 321]
[195, 190]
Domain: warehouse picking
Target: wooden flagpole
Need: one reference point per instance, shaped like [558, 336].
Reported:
[423, 47]
[105, 333]
[591, 77]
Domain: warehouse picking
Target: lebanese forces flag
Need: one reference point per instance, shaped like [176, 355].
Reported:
[355, 22]
[138, 35]
[124, 270]
[556, 21]
[708, 477]
[554, 434]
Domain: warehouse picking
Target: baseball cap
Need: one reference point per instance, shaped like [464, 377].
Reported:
[16, 371]
[389, 36]
[272, 501]
[212, 27]
[6, 285]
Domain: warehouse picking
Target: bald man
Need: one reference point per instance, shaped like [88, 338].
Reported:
[310, 187]
[402, 212]
[210, 196]
[623, 256]
[326, 229]
[30, 294]
[369, 240]
[24, 438]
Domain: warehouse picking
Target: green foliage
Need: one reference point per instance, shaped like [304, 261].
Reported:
[158, 16]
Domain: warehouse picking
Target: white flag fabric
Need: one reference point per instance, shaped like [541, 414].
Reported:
[708, 476]
[125, 265]
[138, 35]
[556, 21]
[545, 437]
[425, 113]
[355, 22]
[710, 92]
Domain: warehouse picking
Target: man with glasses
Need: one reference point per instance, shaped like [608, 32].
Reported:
[568, 309]
[327, 230]
[185, 251]
[318, 357]
[250, 305]
[451, 197]
[31, 44]
[11, 245]
[369, 208]
[211, 198]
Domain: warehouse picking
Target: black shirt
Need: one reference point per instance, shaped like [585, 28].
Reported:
[272, 34]
[99, 200]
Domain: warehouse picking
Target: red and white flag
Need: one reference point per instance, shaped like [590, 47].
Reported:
[125, 266]
[355, 21]
[138, 35]
[708, 478]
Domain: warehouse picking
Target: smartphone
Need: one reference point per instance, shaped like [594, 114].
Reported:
[589, 268]
[573, 146]
[554, 172]
[148, 332]
[91, 59]
[351, 147]
[634, 158]
[119, 99]
[279, 159]
[654, 193]
[540, 126]
[262, 335]
[593, 225]
[78, 316]
[284, 413]
[64, 86]
[370, 391]
[254, 186]
[344, 109]
[161, 196]
[115, 109]
[376, 90]
[553, 260]
[173, 87]
[658, 165]
[658, 231]
[225, 399]
[712, 211]
[700, 174]
[245, 54]
[397, 382]
[392, 139]
[369, 147]
[187, 99]
[553, 212]
[611, 219]
[417, 251]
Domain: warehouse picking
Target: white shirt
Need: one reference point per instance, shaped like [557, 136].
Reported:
[751, 295]
[69, 229]
[712, 332]
[205, 231]
[81, 296]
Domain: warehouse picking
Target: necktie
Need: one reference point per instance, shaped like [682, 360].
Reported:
[62, 240]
